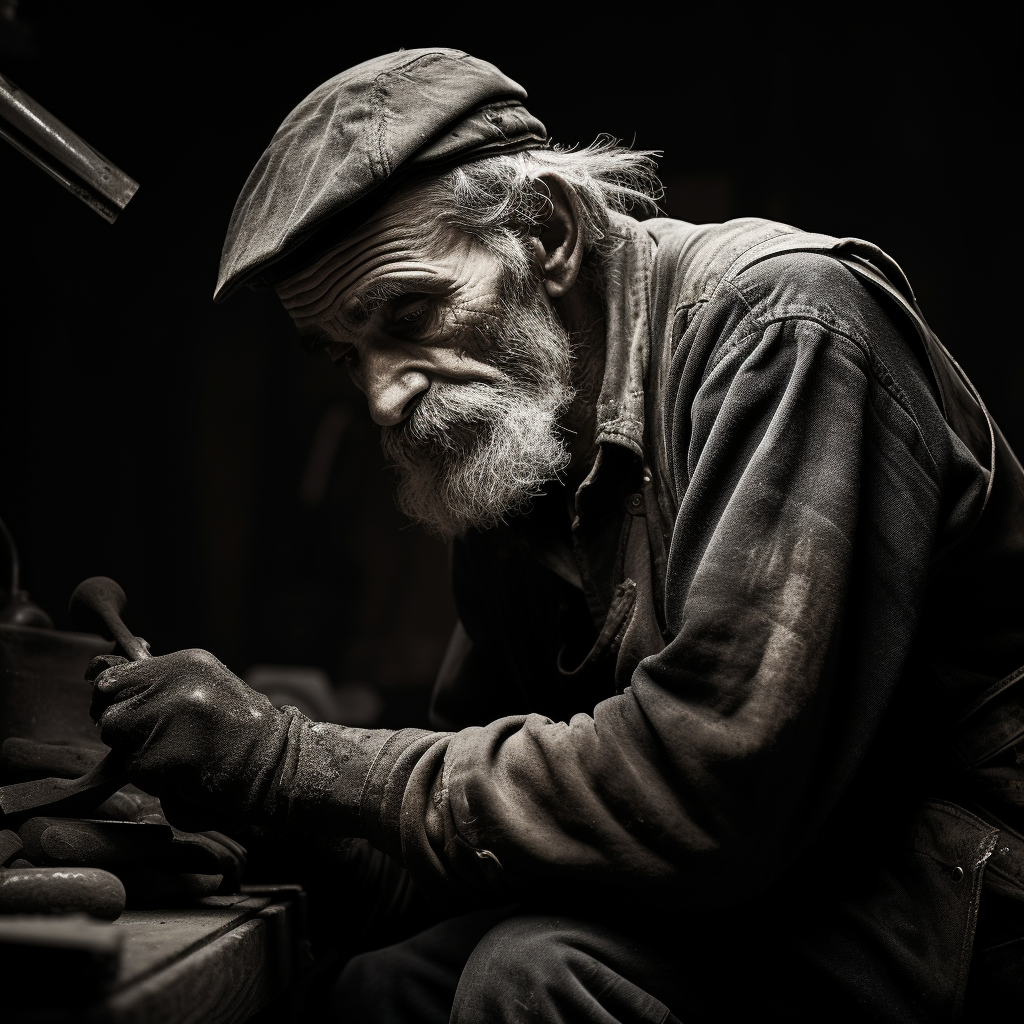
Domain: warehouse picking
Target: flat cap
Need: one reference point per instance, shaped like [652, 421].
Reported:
[340, 152]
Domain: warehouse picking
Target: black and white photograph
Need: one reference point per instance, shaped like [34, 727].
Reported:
[510, 514]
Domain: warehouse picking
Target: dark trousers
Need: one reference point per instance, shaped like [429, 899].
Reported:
[511, 967]
[501, 967]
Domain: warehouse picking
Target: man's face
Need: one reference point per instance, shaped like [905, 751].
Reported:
[465, 368]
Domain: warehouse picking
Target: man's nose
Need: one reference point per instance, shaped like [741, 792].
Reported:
[391, 387]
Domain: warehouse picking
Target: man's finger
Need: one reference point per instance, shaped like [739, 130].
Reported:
[101, 663]
[124, 677]
[111, 688]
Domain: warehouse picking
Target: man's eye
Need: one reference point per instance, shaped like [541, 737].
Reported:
[415, 317]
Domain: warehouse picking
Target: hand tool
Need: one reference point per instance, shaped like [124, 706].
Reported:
[65, 796]
[61, 891]
[113, 845]
[10, 846]
[100, 598]
[154, 861]
[24, 758]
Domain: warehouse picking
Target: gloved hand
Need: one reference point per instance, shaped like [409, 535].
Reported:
[192, 731]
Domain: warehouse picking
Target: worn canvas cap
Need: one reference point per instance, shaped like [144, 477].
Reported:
[343, 149]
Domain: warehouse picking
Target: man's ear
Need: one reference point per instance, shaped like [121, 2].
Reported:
[557, 247]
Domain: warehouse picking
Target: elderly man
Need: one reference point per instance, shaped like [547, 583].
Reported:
[729, 723]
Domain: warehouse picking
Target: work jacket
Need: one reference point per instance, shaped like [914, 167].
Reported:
[722, 677]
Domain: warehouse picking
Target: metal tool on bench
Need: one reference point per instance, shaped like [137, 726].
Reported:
[101, 599]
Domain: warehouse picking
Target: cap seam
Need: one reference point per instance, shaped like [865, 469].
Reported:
[380, 115]
[398, 93]
[383, 113]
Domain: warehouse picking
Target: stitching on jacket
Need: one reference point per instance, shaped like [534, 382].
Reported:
[874, 367]
[880, 371]
[371, 773]
[814, 315]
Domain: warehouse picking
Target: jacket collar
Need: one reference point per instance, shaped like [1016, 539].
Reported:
[620, 405]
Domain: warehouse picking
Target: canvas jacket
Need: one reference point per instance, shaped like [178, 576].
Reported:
[743, 641]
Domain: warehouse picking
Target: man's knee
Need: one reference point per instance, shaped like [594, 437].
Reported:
[512, 969]
[363, 984]
[552, 969]
[391, 986]
[414, 981]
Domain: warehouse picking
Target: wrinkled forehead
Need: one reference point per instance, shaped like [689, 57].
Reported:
[394, 251]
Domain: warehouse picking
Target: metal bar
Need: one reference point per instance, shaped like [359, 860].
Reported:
[62, 154]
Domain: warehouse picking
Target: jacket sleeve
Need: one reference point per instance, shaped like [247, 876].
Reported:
[810, 506]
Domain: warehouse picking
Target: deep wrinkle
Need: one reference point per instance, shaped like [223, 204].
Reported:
[354, 296]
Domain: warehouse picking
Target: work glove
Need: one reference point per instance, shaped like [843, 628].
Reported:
[193, 733]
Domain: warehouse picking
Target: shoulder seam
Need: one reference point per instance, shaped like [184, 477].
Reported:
[874, 366]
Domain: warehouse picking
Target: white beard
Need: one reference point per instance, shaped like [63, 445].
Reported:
[472, 454]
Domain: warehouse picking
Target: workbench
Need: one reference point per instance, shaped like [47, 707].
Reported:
[218, 960]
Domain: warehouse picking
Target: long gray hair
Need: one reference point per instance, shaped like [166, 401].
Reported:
[499, 201]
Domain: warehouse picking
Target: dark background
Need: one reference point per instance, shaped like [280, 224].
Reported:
[231, 483]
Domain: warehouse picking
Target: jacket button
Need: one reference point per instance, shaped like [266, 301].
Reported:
[636, 502]
[957, 874]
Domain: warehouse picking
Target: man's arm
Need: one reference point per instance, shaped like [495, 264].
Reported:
[810, 509]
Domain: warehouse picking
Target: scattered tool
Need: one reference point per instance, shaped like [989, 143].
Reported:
[61, 891]
[10, 846]
[65, 796]
[100, 599]
[25, 758]
[120, 845]
[111, 845]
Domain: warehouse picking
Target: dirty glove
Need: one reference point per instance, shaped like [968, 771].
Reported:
[191, 730]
